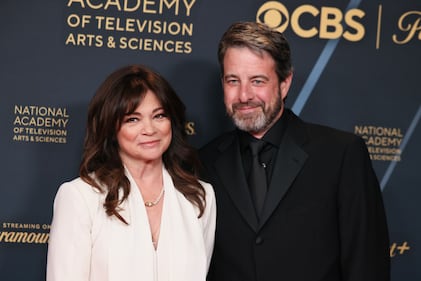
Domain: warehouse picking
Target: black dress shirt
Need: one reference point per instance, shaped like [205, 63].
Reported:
[273, 139]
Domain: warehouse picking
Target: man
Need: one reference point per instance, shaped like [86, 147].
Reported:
[320, 217]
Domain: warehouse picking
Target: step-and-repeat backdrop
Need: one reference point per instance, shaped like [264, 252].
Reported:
[357, 68]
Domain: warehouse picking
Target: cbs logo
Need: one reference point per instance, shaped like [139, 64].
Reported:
[308, 21]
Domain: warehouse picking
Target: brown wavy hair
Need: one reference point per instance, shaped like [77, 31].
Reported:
[101, 165]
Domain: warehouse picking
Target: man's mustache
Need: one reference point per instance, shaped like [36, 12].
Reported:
[240, 105]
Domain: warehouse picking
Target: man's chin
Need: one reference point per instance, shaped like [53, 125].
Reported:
[247, 124]
[249, 116]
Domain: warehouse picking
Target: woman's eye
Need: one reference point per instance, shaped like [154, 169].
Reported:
[160, 116]
[131, 119]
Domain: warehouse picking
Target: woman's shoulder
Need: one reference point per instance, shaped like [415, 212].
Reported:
[207, 186]
[209, 193]
[77, 187]
[80, 198]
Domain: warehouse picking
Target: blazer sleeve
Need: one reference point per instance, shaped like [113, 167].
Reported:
[209, 221]
[69, 249]
[363, 228]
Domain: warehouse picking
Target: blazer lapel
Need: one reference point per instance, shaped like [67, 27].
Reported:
[230, 171]
[290, 159]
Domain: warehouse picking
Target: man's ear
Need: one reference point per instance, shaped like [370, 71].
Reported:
[284, 86]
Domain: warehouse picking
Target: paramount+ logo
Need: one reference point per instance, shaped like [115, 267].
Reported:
[308, 21]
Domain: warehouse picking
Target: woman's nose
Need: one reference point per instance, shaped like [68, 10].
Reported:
[148, 127]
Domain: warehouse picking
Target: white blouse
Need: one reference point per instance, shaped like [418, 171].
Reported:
[87, 245]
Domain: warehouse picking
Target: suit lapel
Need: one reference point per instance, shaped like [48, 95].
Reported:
[229, 168]
[289, 161]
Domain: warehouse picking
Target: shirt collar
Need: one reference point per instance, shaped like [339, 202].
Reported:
[273, 135]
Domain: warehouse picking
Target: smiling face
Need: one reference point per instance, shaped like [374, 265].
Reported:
[145, 134]
[253, 94]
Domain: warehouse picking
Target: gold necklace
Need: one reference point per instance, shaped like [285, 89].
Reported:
[156, 201]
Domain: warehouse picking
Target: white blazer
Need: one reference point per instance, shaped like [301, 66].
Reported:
[87, 245]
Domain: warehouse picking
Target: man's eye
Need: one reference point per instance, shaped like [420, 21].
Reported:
[231, 81]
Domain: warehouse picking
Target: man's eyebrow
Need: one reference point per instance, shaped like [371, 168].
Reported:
[230, 76]
[261, 76]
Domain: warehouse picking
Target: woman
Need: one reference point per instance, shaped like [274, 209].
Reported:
[137, 211]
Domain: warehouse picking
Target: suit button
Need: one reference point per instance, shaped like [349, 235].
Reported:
[259, 240]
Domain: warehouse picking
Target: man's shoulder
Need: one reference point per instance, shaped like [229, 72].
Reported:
[218, 144]
[330, 132]
[321, 132]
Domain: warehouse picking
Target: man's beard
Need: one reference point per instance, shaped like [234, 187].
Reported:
[255, 122]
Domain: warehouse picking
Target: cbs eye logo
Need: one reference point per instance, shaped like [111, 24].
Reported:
[325, 22]
[273, 14]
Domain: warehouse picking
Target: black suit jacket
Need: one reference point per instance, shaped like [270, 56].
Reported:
[323, 217]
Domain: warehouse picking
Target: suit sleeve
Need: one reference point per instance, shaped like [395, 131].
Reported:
[363, 227]
[69, 249]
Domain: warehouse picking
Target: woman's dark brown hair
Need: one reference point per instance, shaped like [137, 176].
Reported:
[101, 166]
